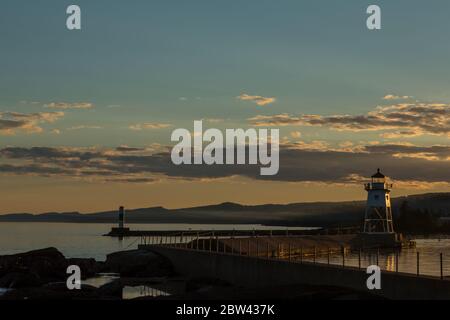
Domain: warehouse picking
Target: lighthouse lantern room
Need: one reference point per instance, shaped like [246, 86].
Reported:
[378, 215]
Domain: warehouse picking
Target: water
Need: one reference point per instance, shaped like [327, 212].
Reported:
[3, 291]
[101, 279]
[429, 258]
[84, 240]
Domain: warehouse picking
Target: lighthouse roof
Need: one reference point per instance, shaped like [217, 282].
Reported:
[378, 174]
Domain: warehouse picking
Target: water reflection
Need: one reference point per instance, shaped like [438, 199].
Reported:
[390, 262]
[429, 258]
[101, 279]
[130, 292]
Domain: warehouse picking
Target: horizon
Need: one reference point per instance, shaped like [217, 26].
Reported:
[86, 115]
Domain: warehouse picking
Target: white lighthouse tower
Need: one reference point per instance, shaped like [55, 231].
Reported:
[378, 216]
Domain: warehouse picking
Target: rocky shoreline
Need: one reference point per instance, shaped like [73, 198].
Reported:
[41, 275]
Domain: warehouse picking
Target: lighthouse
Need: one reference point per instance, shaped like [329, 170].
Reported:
[378, 215]
[121, 217]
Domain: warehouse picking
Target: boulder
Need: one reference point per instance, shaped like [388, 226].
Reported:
[89, 267]
[54, 291]
[195, 284]
[46, 263]
[138, 263]
[111, 290]
[19, 280]
[62, 287]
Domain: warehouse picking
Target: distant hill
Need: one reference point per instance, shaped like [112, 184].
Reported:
[295, 214]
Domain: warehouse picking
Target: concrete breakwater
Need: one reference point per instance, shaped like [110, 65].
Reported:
[248, 271]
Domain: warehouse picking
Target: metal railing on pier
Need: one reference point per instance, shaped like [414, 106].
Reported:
[297, 249]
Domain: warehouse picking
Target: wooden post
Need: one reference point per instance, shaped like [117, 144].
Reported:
[301, 254]
[232, 243]
[418, 263]
[442, 269]
[197, 247]
[396, 261]
[210, 242]
[343, 257]
[289, 254]
[257, 248]
[378, 257]
[268, 253]
[359, 259]
[315, 254]
[240, 247]
[217, 243]
[328, 256]
[248, 247]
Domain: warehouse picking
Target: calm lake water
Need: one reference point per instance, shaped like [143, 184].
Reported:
[85, 241]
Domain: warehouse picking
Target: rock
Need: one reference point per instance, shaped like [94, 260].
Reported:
[62, 287]
[19, 280]
[112, 289]
[138, 263]
[47, 264]
[52, 291]
[33, 294]
[195, 284]
[89, 267]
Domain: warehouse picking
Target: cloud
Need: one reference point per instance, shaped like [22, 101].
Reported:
[124, 148]
[149, 125]
[29, 102]
[83, 127]
[13, 122]
[410, 118]
[68, 105]
[259, 100]
[400, 134]
[299, 162]
[395, 97]
[296, 134]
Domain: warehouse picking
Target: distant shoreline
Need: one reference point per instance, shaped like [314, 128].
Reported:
[309, 214]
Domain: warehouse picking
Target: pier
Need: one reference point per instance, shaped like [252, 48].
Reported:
[276, 264]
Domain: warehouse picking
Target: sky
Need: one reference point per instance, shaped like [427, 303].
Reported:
[86, 115]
